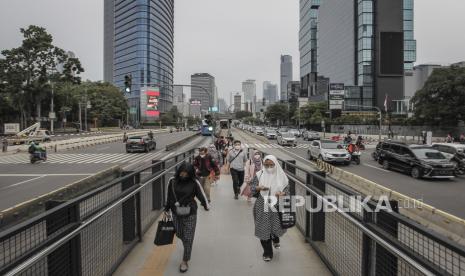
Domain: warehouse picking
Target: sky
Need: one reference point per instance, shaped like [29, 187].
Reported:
[233, 40]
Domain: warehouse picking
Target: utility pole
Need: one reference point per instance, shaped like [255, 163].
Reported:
[52, 113]
[85, 110]
[80, 117]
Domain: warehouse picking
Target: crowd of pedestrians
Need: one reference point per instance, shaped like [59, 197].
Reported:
[252, 177]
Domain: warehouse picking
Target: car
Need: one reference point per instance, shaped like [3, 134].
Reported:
[259, 131]
[420, 161]
[140, 144]
[282, 130]
[295, 132]
[270, 133]
[328, 151]
[286, 139]
[455, 153]
[310, 135]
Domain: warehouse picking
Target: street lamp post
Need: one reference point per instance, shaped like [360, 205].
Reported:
[380, 115]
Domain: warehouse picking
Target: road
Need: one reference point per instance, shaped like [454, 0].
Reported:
[443, 194]
[21, 181]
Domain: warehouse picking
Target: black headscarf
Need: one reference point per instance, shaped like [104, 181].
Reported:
[185, 167]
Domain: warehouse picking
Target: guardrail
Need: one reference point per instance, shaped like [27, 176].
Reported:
[93, 233]
[360, 242]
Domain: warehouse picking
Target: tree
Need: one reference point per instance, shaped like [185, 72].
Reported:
[441, 100]
[312, 113]
[26, 71]
[277, 113]
[243, 114]
[172, 117]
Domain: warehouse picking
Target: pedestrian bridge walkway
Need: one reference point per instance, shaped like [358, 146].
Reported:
[224, 245]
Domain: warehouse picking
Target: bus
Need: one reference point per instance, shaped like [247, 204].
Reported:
[206, 129]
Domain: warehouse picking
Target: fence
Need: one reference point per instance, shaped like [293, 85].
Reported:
[93, 233]
[360, 242]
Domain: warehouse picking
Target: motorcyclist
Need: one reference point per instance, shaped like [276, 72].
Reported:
[150, 135]
[35, 148]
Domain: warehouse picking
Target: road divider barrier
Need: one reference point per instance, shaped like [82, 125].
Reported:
[181, 142]
[439, 221]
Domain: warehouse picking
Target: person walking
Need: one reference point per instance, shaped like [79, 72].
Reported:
[183, 188]
[236, 159]
[462, 138]
[252, 166]
[206, 169]
[449, 138]
[268, 183]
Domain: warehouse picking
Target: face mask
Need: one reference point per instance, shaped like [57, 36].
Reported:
[202, 155]
[237, 147]
[270, 170]
[183, 178]
[257, 157]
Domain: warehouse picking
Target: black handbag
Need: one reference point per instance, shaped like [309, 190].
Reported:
[165, 232]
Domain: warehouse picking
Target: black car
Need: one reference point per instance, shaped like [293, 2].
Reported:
[140, 144]
[417, 160]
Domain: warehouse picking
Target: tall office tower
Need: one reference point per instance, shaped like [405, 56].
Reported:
[206, 95]
[249, 89]
[286, 74]
[222, 105]
[139, 41]
[215, 97]
[365, 44]
[270, 92]
[237, 102]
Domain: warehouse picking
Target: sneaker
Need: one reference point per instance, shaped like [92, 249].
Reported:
[183, 268]
[266, 258]
[236, 197]
[277, 245]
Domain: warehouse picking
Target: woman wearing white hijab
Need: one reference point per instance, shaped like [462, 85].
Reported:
[270, 181]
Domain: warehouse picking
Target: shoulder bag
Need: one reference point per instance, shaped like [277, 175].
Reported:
[180, 211]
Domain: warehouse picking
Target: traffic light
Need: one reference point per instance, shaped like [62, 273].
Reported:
[128, 83]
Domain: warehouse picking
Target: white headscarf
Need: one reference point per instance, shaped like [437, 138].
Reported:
[276, 181]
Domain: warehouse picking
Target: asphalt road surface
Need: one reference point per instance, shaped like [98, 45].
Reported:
[21, 181]
[446, 195]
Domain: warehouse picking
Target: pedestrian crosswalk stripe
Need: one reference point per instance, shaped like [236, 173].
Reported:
[275, 146]
[81, 158]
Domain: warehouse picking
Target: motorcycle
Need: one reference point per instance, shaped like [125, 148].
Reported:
[37, 156]
[459, 165]
[355, 157]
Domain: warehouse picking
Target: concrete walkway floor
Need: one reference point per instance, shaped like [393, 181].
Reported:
[224, 245]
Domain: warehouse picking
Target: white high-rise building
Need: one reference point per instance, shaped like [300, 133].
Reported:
[249, 88]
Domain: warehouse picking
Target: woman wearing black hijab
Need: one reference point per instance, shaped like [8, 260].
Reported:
[182, 190]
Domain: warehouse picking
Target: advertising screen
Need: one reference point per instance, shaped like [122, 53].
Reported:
[152, 103]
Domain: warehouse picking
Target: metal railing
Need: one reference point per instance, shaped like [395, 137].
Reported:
[360, 242]
[93, 233]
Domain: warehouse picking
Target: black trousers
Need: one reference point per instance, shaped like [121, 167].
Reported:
[238, 180]
[268, 246]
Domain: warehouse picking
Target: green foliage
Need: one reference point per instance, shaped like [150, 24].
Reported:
[442, 99]
[277, 112]
[252, 120]
[25, 73]
[312, 113]
[172, 117]
[243, 114]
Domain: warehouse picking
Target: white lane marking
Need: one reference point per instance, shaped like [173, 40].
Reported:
[375, 167]
[53, 174]
[25, 181]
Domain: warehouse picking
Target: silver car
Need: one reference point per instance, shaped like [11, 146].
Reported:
[328, 151]
[286, 139]
[294, 131]
[310, 135]
[270, 133]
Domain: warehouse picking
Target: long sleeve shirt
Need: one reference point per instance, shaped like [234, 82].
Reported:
[186, 194]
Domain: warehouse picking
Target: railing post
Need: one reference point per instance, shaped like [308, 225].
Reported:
[129, 208]
[317, 218]
[290, 169]
[368, 248]
[66, 260]
[157, 185]
[386, 262]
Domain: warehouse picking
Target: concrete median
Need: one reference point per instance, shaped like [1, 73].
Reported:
[439, 221]
[180, 142]
[35, 206]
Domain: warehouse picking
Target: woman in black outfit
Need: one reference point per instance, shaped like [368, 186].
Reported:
[182, 190]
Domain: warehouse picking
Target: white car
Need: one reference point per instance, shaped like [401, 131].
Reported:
[311, 135]
[294, 131]
[286, 139]
[270, 133]
[259, 131]
[328, 151]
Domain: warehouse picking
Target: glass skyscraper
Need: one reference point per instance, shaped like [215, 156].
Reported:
[139, 41]
[371, 68]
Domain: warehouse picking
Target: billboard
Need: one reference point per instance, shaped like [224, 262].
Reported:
[336, 96]
[149, 102]
[196, 102]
